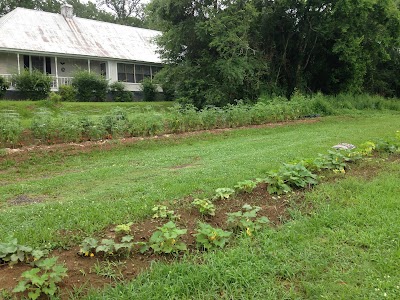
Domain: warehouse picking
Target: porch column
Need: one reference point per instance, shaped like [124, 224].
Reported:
[88, 64]
[19, 64]
[56, 65]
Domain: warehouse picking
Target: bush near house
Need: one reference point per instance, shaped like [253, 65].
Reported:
[4, 85]
[119, 94]
[33, 85]
[149, 90]
[90, 87]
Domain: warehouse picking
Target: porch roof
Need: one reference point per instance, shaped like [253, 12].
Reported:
[48, 33]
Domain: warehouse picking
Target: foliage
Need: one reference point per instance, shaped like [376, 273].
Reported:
[161, 211]
[67, 93]
[116, 122]
[33, 85]
[289, 176]
[4, 85]
[205, 206]
[149, 89]
[223, 193]
[119, 94]
[54, 98]
[10, 128]
[166, 239]
[106, 247]
[246, 186]
[221, 51]
[208, 237]
[123, 228]
[89, 86]
[247, 220]
[11, 252]
[42, 280]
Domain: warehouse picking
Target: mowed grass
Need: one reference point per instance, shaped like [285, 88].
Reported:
[81, 194]
[348, 248]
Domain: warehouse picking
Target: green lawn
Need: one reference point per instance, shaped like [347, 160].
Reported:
[348, 248]
[87, 192]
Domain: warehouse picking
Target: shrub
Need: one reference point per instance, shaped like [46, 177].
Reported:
[67, 93]
[35, 85]
[149, 90]
[90, 87]
[119, 94]
[4, 85]
[116, 122]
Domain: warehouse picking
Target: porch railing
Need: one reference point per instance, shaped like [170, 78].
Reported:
[54, 84]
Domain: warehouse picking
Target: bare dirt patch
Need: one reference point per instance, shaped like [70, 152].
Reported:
[24, 200]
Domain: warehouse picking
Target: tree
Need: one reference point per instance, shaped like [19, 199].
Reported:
[128, 12]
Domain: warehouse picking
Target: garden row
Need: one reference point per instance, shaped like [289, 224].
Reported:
[167, 239]
[47, 127]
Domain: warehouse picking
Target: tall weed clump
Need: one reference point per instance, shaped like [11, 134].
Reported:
[4, 85]
[10, 128]
[43, 125]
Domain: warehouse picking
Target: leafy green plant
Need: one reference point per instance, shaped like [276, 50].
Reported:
[123, 228]
[288, 176]
[205, 206]
[162, 212]
[208, 237]
[246, 186]
[54, 98]
[106, 247]
[33, 85]
[42, 280]
[43, 125]
[166, 239]
[223, 193]
[246, 219]
[11, 252]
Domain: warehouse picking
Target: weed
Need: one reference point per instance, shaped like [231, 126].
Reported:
[123, 228]
[108, 269]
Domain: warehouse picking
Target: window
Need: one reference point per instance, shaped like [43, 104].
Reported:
[125, 73]
[142, 72]
[40, 63]
[135, 73]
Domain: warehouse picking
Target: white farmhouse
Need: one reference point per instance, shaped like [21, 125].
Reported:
[61, 44]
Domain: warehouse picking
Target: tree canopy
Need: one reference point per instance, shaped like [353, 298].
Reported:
[217, 51]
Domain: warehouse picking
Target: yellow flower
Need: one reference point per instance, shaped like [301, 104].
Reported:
[86, 253]
[248, 231]
[91, 254]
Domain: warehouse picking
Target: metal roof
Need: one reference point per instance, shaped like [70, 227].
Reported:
[43, 32]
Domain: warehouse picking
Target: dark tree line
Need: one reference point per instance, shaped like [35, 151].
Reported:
[125, 12]
[221, 50]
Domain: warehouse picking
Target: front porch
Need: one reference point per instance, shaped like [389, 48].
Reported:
[62, 69]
